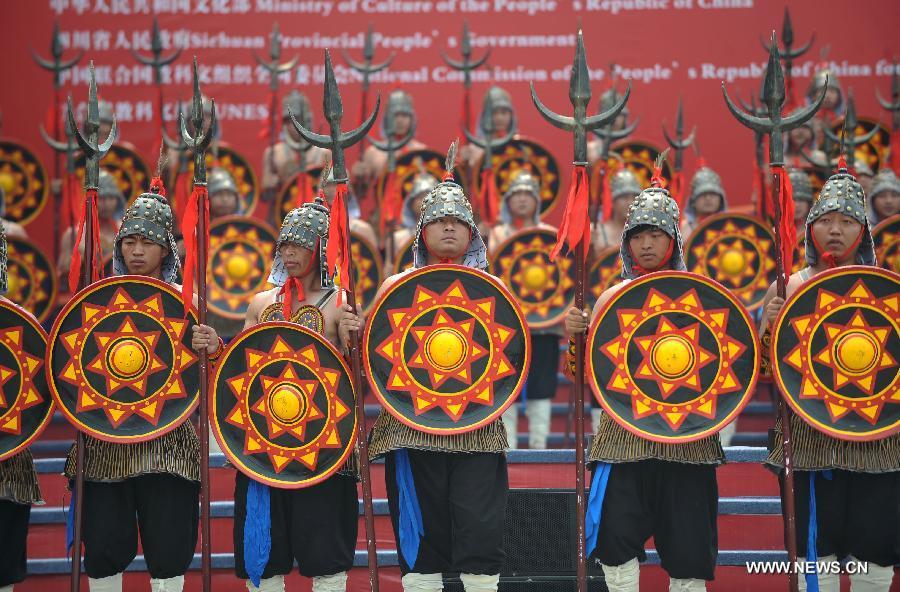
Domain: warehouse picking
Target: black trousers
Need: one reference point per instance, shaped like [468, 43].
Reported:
[162, 508]
[13, 537]
[543, 374]
[463, 501]
[675, 503]
[857, 514]
[317, 526]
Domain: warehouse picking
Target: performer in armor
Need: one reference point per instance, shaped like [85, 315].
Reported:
[502, 117]
[224, 197]
[519, 210]
[833, 105]
[864, 175]
[667, 491]
[19, 490]
[316, 525]
[422, 185]
[607, 100]
[403, 116]
[107, 116]
[799, 140]
[150, 489]
[110, 205]
[857, 484]
[287, 160]
[624, 187]
[803, 198]
[10, 228]
[884, 200]
[460, 480]
[707, 198]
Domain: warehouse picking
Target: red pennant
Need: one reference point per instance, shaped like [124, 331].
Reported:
[338, 251]
[605, 192]
[576, 227]
[265, 132]
[787, 229]
[293, 284]
[182, 193]
[189, 233]
[75, 266]
[895, 152]
[488, 197]
[157, 186]
[391, 203]
[677, 190]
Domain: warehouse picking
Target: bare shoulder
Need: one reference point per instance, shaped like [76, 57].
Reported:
[606, 296]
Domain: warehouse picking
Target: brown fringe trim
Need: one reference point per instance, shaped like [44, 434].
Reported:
[389, 434]
[350, 467]
[613, 443]
[816, 451]
[18, 480]
[177, 452]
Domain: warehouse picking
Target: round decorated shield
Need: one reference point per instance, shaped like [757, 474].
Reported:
[887, 243]
[24, 182]
[639, 157]
[522, 153]
[446, 349]
[120, 362]
[544, 289]
[31, 277]
[673, 357]
[415, 162]
[736, 250]
[25, 403]
[875, 151]
[283, 410]
[404, 259]
[604, 273]
[367, 269]
[131, 173]
[837, 348]
[289, 195]
[241, 250]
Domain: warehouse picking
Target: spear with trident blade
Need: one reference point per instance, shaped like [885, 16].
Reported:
[338, 252]
[575, 231]
[774, 126]
[195, 229]
[275, 68]
[607, 136]
[157, 62]
[679, 144]
[57, 65]
[366, 68]
[80, 275]
[893, 107]
[849, 135]
[789, 54]
[466, 66]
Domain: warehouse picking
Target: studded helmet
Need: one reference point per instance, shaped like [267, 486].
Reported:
[705, 180]
[297, 103]
[108, 186]
[220, 180]
[624, 183]
[841, 193]
[399, 101]
[306, 226]
[150, 216]
[422, 184]
[497, 98]
[652, 208]
[885, 180]
[448, 199]
[522, 182]
[802, 187]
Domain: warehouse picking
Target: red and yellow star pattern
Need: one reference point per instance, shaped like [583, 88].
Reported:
[855, 352]
[540, 284]
[28, 368]
[672, 357]
[445, 348]
[243, 252]
[126, 358]
[287, 405]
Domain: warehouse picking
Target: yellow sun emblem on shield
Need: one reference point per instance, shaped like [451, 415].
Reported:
[241, 254]
[540, 284]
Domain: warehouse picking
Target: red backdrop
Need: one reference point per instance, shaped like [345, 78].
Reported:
[667, 47]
